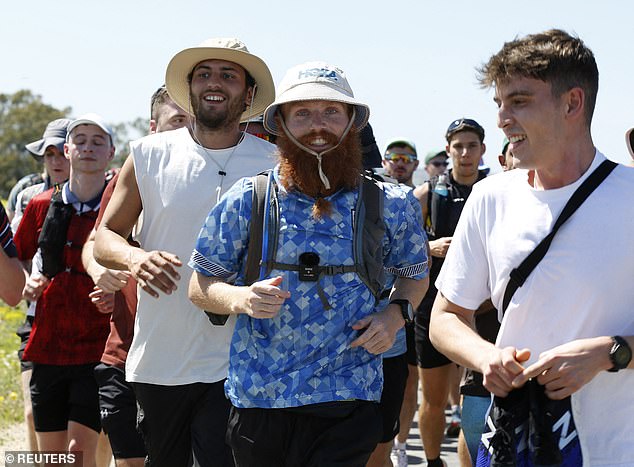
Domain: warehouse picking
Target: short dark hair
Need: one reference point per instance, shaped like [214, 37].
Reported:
[159, 98]
[553, 56]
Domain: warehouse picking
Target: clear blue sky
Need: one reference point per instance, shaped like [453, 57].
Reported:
[412, 61]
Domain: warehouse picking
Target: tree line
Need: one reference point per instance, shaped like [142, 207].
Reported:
[23, 118]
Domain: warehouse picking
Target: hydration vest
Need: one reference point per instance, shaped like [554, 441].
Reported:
[368, 231]
[52, 237]
[443, 212]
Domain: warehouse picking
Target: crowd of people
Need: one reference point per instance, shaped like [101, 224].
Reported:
[244, 291]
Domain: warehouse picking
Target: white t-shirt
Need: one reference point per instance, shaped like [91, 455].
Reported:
[582, 288]
[179, 182]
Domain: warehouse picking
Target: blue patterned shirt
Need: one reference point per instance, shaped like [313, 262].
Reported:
[303, 355]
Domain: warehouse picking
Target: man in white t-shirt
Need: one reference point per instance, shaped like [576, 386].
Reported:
[570, 326]
[178, 359]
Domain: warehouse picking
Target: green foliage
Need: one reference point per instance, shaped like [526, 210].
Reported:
[11, 405]
[23, 118]
[123, 134]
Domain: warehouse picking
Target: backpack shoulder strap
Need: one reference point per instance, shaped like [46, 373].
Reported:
[368, 236]
[254, 255]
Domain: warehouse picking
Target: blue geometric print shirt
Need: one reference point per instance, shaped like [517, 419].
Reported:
[303, 355]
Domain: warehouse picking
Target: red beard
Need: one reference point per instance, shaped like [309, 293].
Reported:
[299, 169]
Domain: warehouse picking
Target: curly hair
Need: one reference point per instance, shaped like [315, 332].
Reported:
[553, 56]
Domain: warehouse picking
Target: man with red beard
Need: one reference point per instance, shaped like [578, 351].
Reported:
[178, 360]
[305, 362]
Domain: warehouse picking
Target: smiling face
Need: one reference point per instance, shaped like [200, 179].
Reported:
[89, 149]
[318, 124]
[218, 93]
[532, 119]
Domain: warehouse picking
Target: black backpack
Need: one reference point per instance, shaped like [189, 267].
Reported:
[368, 231]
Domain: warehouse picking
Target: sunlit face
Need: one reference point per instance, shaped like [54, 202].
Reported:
[57, 166]
[89, 149]
[218, 93]
[304, 118]
[465, 150]
[170, 117]
[400, 162]
[531, 119]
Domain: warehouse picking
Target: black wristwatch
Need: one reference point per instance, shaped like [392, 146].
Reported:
[407, 311]
[620, 354]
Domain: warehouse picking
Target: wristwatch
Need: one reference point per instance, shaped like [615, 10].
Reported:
[620, 354]
[407, 311]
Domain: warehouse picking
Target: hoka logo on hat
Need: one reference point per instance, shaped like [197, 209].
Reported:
[318, 73]
[315, 81]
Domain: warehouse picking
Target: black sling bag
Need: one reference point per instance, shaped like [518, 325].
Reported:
[521, 273]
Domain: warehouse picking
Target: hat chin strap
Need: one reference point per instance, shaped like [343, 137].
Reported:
[319, 155]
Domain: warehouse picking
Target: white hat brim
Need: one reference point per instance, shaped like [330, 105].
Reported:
[314, 92]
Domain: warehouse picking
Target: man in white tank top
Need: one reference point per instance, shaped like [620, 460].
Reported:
[178, 359]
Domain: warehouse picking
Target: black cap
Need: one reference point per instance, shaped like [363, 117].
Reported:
[463, 124]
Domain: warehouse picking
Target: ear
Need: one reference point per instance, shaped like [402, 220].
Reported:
[575, 103]
[484, 149]
[415, 164]
[384, 163]
[152, 126]
[66, 151]
[250, 95]
[502, 160]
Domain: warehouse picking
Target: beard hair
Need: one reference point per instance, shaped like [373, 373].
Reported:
[299, 169]
[216, 120]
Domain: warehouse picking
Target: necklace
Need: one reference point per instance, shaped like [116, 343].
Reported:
[222, 168]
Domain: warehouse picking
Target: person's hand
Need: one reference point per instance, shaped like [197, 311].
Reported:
[108, 280]
[565, 369]
[104, 301]
[378, 331]
[154, 270]
[439, 247]
[501, 367]
[34, 286]
[264, 299]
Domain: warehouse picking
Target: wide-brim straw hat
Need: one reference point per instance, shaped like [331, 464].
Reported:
[231, 50]
[314, 81]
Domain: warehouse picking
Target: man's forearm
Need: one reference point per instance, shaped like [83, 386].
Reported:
[212, 294]
[111, 250]
[452, 333]
[410, 289]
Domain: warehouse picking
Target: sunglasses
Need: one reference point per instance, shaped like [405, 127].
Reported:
[395, 157]
[439, 163]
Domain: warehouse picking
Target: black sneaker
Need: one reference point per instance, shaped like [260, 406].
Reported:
[544, 445]
[503, 441]
[507, 414]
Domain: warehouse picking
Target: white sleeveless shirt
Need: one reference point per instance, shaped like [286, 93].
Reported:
[179, 182]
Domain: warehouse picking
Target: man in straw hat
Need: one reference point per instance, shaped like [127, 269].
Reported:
[177, 362]
[305, 365]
